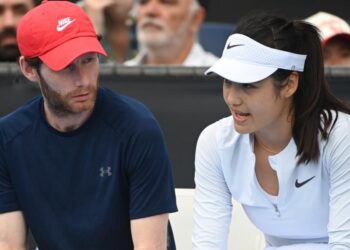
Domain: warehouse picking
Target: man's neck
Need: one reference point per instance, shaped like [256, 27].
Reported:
[66, 122]
[169, 54]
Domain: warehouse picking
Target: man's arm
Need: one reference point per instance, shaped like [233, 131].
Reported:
[12, 231]
[150, 233]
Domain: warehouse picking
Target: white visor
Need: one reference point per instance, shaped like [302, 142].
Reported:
[246, 61]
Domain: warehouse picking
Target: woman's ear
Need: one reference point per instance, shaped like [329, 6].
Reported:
[292, 85]
[28, 71]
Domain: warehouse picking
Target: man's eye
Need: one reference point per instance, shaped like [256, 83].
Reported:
[69, 68]
[169, 1]
[89, 59]
[20, 9]
[142, 2]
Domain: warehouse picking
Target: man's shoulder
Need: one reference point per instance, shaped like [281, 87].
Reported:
[124, 112]
[119, 104]
[20, 119]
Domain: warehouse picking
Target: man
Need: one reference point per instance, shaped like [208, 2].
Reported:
[10, 13]
[335, 35]
[167, 33]
[83, 167]
[111, 20]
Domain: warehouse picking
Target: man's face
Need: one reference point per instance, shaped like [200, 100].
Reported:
[10, 13]
[164, 22]
[72, 90]
[337, 52]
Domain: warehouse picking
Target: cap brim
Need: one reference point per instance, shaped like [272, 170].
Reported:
[61, 56]
[240, 72]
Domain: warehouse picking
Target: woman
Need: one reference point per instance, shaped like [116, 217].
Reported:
[284, 154]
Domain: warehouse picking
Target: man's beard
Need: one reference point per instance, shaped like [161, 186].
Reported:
[58, 104]
[9, 52]
[152, 39]
[164, 37]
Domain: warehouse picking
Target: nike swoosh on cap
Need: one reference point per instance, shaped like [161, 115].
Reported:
[60, 28]
[229, 46]
[299, 184]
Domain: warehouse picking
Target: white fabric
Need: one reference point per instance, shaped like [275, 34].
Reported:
[245, 61]
[301, 247]
[225, 169]
[198, 57]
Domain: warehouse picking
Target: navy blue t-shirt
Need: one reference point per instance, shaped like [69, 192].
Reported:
[79, 190]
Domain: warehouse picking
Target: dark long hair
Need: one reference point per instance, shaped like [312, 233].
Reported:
[313, 101]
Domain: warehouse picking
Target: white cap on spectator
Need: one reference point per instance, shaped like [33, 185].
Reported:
[244, 60]
[330, 26]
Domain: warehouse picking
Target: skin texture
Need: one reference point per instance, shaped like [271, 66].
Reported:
[337, 51]
[262, 110]
[12, 231]
[10, 13]
[69, 94]
[166, 29]
[150, 233]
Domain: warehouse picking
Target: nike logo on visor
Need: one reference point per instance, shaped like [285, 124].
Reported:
[229, 46]
[64, 23]
[299, 184]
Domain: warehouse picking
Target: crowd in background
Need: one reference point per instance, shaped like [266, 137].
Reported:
[155, 32]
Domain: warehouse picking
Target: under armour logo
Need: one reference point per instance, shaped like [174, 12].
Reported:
[107, 171]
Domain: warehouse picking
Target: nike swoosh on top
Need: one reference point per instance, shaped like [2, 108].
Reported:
[62, 27]
[229, 46]
[299, 184]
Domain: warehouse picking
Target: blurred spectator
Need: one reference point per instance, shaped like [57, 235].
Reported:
[110, 19]
[167, 33]
[10, 13]
[335, 34]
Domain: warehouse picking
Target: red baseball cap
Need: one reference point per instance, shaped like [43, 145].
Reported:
[57, 32]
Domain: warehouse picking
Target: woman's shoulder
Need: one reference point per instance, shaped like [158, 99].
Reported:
[341, 122]
[339, 136]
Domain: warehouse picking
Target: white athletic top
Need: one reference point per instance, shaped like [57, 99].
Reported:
[316, 209]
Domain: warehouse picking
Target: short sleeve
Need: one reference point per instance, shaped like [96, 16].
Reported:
[149, 172]
[8, 198]
[212, 203]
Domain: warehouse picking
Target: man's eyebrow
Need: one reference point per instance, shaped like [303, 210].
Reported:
[20, 6]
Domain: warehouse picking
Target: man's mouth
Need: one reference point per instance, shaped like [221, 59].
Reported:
[8, 40]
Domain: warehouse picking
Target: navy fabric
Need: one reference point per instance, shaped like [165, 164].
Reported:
[79, 190]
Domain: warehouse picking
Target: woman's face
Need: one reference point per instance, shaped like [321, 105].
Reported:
[257, 107]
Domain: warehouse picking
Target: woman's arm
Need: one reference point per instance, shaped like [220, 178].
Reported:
[338, 162]
[307, 246]
[212, 204]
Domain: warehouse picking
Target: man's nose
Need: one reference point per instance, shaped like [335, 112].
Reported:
[10, 18]
[151, 8]
[81, 76]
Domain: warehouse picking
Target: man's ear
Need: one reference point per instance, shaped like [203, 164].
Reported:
[28, 71]
[292, 85]
[198, 19]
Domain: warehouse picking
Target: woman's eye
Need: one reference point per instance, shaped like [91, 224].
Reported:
[247, 86]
